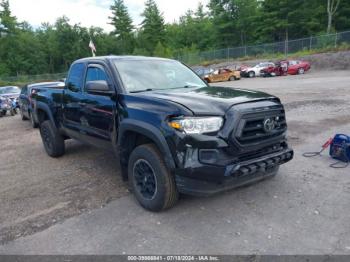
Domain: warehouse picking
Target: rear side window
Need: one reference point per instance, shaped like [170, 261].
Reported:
[95, 74]
[75, 78]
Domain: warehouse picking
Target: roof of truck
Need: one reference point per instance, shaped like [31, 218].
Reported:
[114, 57]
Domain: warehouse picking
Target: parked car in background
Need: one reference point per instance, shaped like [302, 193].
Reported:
[297, 67]
[26, 99]
[278, 69]
[222, 75]
[202, 72]
[255, 70]
[7, 105]
[12, 93]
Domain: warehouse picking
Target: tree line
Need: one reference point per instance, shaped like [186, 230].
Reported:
[51, 48]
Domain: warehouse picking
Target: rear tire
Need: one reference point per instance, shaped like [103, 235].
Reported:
[32, 121]
[301, 71]
[251, 74]
[153, 185]
[23, 117]
[232, 78]
[52, 140]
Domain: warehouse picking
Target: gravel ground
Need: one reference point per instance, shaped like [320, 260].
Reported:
[304, 210]
[37, 191]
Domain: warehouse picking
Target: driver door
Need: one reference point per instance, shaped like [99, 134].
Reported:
[98, 110]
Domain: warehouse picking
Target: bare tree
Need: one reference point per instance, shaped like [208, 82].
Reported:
[332, 7]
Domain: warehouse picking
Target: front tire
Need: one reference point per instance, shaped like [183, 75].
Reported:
[232, 78]
[301, 71]
[52, 140]
[153, 185]
[251, 74]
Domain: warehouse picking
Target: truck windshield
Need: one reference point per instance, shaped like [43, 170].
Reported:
[148, 75]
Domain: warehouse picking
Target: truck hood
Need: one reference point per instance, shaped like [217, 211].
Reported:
[209, 100]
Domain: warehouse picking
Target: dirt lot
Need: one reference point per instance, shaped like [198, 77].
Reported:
[304, 210]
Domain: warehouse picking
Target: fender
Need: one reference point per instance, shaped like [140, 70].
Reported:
[152, 133]
[46, 109]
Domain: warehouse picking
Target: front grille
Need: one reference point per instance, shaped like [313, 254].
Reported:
[260, 126]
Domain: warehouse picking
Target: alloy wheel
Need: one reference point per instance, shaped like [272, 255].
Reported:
[145, 179]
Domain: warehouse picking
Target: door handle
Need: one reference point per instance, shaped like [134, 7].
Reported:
[82, 104]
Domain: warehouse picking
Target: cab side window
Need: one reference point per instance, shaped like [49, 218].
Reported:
[96, 74]
[75, 78]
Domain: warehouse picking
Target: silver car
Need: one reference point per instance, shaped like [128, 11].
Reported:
[9, 96]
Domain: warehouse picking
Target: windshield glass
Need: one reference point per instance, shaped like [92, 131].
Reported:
[147, 75]
[9, 90]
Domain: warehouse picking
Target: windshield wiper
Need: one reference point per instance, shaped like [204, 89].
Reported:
[150, 89]
[187, 86]
[141, 91]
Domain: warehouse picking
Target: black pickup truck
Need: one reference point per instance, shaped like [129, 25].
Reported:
[171, 132]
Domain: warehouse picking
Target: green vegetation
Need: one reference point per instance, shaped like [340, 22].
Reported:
[51, 48]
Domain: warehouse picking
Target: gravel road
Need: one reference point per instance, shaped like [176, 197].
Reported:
[78, 203]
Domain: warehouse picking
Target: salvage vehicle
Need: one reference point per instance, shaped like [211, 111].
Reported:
[296, 67]
[222, 75]
[6, 105]
[202, 72]
[172, 133]
[11, 92]
[255, 70]
[278, 69]
[26, 103]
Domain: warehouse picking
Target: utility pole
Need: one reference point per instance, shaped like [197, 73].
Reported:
[286, 47]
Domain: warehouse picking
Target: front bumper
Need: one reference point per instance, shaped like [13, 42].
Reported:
[244, 74]
[230, 176]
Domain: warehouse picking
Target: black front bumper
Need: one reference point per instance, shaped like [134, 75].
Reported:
[231, 176]
[244, 74]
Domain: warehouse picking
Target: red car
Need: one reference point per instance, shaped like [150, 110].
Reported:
[277, 69]
[296, 67]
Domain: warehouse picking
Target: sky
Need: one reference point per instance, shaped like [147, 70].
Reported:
[92, 12]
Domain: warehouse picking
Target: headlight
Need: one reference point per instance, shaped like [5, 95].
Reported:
[197, 125]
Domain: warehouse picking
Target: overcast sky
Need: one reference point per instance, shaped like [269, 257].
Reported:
[92, 12]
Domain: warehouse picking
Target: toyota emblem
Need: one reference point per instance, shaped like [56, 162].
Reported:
[269, 125]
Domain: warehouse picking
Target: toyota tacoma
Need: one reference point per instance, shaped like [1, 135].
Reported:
[170, 131]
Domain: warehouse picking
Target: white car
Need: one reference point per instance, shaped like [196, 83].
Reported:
[255, 71]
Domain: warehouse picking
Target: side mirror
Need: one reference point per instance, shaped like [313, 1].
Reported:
[98, 87]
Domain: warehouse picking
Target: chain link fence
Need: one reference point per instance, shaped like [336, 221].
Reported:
[278, 48]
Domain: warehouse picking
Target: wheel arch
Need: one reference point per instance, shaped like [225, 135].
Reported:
[42, 113]
[133, 133]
